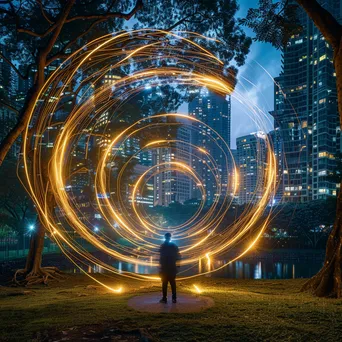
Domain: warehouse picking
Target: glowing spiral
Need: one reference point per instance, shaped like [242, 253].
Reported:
[56, 135]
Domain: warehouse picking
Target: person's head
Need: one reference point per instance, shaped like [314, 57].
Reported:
[167, 237]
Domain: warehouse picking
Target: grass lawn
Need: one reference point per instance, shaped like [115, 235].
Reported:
[245, 310]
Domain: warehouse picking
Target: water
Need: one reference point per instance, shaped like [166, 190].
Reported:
[273, 266]
[269, 270]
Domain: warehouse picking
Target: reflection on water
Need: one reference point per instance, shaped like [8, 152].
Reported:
[269, 270]
[249, 269]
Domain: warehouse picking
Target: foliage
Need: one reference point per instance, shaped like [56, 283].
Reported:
[175, 214]
[38, 38]
[212, 18]
[28, 26]
[273, 22]
[309, 223]
[16, 208]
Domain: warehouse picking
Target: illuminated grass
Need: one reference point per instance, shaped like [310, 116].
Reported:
[245, 310]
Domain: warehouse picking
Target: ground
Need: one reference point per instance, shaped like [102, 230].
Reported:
[245, 310]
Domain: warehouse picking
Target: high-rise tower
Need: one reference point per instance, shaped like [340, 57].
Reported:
[215, 111]
[251, 163]
[306, 112]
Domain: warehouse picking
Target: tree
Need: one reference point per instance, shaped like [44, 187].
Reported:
[41, 34]
[275, 23]
[310, 223]
[16, 207]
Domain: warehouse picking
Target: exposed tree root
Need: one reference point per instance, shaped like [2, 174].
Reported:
[40, 275]
[328, 281]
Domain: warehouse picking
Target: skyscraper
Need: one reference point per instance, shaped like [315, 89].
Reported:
[215, 111]
[306, 112]
[8, 114]
[5, 73]
[251, 162]
[8, 118]
[173, 186]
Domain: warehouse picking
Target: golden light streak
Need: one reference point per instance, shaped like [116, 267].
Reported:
[97, 103]
[197, 289]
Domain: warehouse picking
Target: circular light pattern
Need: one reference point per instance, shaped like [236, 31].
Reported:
[82, 109]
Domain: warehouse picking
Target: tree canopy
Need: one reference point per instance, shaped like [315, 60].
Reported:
[38, 35]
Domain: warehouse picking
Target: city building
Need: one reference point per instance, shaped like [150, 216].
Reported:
[5, 73]
[251, 162]
[172, 186]
[8, 118]
[305, 112]
[146, 193]
[214, 111]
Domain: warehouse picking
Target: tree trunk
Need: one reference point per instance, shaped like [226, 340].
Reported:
[34, 273]
[15, 132]
[327, 282]
[34, 257]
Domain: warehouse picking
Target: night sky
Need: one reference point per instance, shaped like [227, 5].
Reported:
[269, 58]
[262, 93]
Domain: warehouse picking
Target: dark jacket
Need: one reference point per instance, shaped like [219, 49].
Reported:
[169, 255]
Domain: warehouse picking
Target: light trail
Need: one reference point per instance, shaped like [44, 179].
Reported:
[155, 58]
[197, 289]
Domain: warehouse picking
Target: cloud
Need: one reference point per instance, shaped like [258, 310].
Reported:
[257, 87]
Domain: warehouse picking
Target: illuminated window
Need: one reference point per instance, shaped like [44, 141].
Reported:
[323, 154]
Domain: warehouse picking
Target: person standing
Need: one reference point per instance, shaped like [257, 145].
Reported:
[169, 258]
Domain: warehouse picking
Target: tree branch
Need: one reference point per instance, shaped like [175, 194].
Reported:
[59, 25]
[283, 8]
[43, 12]
[31, 33]
[11, 211]
[8, 106]
[13, 66]
[35, 34]
[324, 20]
[61, 54]
[181, 21]
[126, 16]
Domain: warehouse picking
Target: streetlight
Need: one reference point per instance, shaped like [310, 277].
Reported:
[31, 227]
[96, 229]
